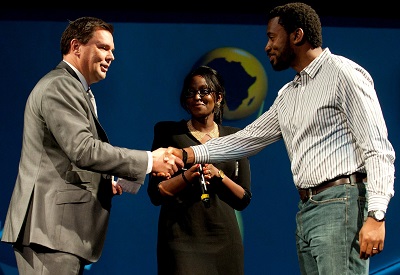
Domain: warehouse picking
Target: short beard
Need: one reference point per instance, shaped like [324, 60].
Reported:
[280, 66]
[284, 60]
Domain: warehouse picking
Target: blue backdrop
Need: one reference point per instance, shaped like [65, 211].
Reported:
[142, 87]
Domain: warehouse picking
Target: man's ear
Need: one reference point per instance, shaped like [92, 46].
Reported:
[75, 46]
[298, 35]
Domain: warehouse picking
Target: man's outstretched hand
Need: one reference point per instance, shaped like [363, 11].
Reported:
[165, 162]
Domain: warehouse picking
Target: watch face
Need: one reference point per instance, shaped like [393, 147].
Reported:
[379, 215]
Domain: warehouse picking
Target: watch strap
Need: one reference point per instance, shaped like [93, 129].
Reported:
[378, 215]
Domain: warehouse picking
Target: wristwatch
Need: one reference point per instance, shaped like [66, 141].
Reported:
[221, 174]
[378, 215]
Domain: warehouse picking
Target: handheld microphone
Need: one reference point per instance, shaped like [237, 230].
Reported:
[205, 197]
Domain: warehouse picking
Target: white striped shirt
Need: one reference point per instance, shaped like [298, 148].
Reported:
[332, 124]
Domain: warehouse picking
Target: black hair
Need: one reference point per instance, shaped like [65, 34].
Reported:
[299, 15]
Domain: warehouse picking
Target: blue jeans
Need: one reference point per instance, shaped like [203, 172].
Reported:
[327, 231]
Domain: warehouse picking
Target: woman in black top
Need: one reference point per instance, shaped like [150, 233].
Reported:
[195, 236]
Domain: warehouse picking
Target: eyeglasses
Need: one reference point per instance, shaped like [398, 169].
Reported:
[202, 92]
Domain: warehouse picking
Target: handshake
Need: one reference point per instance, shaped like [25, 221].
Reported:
[167, 161]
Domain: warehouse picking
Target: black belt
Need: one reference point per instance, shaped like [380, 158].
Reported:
[306, 193]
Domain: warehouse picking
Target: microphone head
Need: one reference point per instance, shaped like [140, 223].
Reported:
[205, 198]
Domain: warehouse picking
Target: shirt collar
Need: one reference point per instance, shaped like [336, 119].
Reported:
[81, 77]
[315, 65]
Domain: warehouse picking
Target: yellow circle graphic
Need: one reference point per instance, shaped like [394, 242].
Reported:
[245, 80]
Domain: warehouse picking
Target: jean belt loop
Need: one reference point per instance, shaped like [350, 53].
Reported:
[310, 193]
[353, 180]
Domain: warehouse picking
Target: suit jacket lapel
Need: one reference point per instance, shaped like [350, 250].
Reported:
[100, 131]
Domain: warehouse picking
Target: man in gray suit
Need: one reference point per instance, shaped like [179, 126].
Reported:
[59, 210]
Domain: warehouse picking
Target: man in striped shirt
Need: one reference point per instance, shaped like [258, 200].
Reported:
[333, 128]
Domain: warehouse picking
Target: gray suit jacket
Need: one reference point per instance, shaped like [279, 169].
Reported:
[62, 195]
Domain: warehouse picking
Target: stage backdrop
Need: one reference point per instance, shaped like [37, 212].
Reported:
[143, 86]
